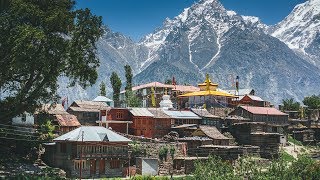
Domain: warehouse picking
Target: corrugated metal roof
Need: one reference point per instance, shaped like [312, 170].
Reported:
[92, 134]
[141, 112]
[181, 114]
[263, 110]
[241, 92]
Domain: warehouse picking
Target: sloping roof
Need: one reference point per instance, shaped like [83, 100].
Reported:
[92, 134]
[242, 92]
[141, 112]
[88, 106]
[181, 114]
[181, 88]
[212, 132]
[102, 99]
[67, 120]
[52, 109]
[255, 98]
[208, 93]
[263, 110]
[204, 113]
[158, 113]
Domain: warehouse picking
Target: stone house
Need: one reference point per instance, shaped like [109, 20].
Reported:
[208, 118]
[212, 133]
[88, 152]
[277, 120]
[87, 112]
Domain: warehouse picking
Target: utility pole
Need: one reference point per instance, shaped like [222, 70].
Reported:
[81, 155]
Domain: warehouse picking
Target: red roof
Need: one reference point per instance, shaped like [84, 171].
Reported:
[67, 120]
[263, 110]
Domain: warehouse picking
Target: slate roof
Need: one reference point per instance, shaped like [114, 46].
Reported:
[158, 113]
[204, 113]
[52, 109]
[92, 134]
[88, 106]
[141, 112]
[68, 120]
[181, 114]
[263, 110]
[212, 132]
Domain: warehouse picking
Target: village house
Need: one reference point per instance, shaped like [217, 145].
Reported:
[24, 120]
[305, 136]
[212, 133]
[87, 112]
[61, 119]
[183, 117]
[252, 100]
[118, 119]
[254, 133]
[275, 119]
[208, 118]
[89, 152]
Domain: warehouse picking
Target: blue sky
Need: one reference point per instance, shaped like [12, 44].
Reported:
[136, 18]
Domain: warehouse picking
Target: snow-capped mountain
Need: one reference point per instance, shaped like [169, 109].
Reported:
[207, 38]
[300, 30]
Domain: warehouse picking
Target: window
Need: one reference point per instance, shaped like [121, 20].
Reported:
[78, 163]
[119, 115]
[115, 164]
[63, 147]
[23, 117]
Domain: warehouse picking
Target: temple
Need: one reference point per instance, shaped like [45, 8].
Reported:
[208, 96]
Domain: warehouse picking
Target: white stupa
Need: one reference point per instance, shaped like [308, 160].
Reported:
[166, 103]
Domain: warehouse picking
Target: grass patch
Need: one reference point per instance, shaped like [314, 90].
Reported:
[294, 141]
[286, 156]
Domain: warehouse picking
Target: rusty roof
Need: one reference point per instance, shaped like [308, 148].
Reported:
[212, 132]
[67, 120]
[263, 110]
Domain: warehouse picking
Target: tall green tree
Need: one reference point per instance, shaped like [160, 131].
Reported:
[103, 91]
[128, 74]
[116, 85]
[313, 102]
[40, 41]
[290, 105]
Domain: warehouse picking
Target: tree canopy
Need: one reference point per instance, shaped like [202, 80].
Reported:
[40, 41]
[103, 89]
[290, 105]
[128, 74]
[313, 102]
[116, 85]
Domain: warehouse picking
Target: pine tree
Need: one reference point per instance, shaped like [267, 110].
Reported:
[103, 89]
[116, 85]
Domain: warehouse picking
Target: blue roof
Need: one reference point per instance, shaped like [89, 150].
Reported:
[92, 133]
